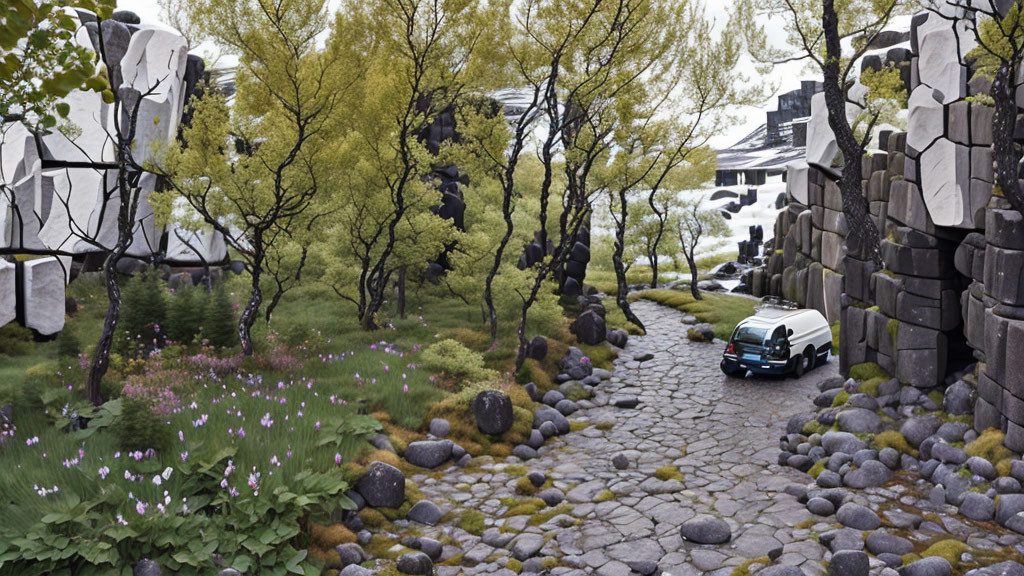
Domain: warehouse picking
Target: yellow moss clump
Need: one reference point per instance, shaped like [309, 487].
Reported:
[526, 508]
[668, 473]
[818, 468]
[605, 426]
[514, 565]
[814, 427]
[1003, 467]
[990, 446]
[473, 339]
[601, 356]
[543, 516]
[840, 399]
[951, 550]
[578, 425]
[744, 569]
[373, 518]
[456, 409]
[525, 487]
[867, 371]
[604, 496]
[870, 387]
[893, 439]
[328, 537]
[472, 521]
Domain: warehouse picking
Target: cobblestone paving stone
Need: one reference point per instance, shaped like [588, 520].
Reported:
[721, 434]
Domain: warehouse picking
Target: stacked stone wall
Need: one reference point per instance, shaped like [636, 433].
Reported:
[950, 292]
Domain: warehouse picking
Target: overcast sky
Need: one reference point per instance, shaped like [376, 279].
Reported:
[787, 77]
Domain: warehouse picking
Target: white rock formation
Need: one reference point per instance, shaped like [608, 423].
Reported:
[8, 305]
[43, 288]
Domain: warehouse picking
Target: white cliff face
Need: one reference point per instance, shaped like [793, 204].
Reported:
[73, 210]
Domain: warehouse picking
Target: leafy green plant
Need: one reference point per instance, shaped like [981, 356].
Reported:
[219, 328]
[456, 362]
[143, 312]
[141, 428]
[186, 309]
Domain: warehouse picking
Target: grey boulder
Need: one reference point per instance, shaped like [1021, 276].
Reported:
[857, 517]
[428, 453]
[383, 486]
[425, 512]
[416, 563]
[705, 529]
[493, 412]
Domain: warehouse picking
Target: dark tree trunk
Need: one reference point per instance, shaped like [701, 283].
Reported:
[622, 293]
[653, 257]
[101, 358]
[492, 313]
[401, 293]
[692, 263]
[863, 238]
[279, 293]
[252, 307]
[1005, 152]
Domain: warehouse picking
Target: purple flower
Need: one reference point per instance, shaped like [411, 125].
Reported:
[317, 425]
[103, 472]
[140, 507]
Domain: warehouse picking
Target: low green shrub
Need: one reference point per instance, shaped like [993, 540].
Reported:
[867, 371]
[456, 362]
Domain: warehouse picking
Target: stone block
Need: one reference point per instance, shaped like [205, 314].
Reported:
[796, 180]
[926, 118]
[879, 336]
[974, 322]
[801, 287]
[816, 288]
[815, 244]
[945, 183]
[923, 262]
[833, 291]
[986, 416]
[910, 170]
[1014, 437]
[907, 207]
[857, 278]
[887, 289]
[1004, 228]
[1013, 408]
[963, 258]
[981, 124]
[8, 303]
[821, 142]
[958, 117]
[833, 198]
[1014, 381]
[913, 337]
[43, 283]
[789, 276]
[921, 368]
[942, 314]
[1004, 275]
[981, 163]
[833, 251]
[803, 224]
[875, 187]
[939, 63]
[990, 391]
[980, 193]
[852, 337]
[996, 332]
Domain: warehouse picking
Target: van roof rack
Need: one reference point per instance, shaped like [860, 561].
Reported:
[776, 302]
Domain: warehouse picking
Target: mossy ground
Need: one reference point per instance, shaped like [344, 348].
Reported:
[722, 311]
[867, 371]
[893, 439]
[668, 473]
[989, 445]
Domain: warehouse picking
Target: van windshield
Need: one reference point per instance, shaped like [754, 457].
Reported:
[749, 335]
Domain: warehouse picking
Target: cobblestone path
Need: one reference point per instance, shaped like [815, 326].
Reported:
[722, 435]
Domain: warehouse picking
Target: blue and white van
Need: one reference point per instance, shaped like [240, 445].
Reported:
[778, 339]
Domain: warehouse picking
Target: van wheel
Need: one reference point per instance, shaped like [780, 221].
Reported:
[804, 363]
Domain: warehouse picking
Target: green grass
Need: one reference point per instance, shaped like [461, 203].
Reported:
[867, 371]
[722, 311]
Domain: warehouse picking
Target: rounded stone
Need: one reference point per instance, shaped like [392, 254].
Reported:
[859, 421]
[440, 427]
[845, 442]
[383, 486]
[705, 529]
[524, 452]
[820, 507]
[916, 430]
[416, 563]
[978, 506]
[871, 473]
[350, 554]
[493, 412]
[537, 478]
[849, 563]
[545, 414]
[428, 453]
[425, 512]
[879, 542]
[931, 566]
[858, 517]
[620, 461]
[551, 496]
[981, 467]
[566, 407]
[431, 548]
[355, 570]
[536, 439]
[552, 397]
[829, 479]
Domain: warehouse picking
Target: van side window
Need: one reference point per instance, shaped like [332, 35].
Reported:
[779, 335]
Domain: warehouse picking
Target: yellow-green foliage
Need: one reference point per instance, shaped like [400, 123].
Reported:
[456, 409]
[604, 496]
[472, 521]
[372, 518]
[951, 550]
[526, 508]
[543, 516]
[723, 311]
[818, 468]
[990, 446]
[668, 473]
[525, 487]
[604, 426]
[744, 569]
[895, 440]
[814, 427]
[1003, 467]
[456, 362]
[835, 339]
[893, 328]
[695, 336]
[867, 371]
[514, 565]
[533, 371]
[840, 399]
[472, 339]
[601, 355]
[870, 387]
